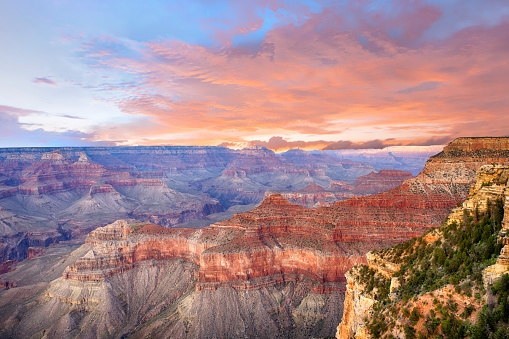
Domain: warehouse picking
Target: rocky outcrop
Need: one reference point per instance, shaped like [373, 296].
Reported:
[312, 195]
[356, 308]
[491, 184]
[382, 181]
[358, 302]
[315, 195]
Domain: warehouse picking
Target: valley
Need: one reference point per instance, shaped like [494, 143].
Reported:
[279, 268]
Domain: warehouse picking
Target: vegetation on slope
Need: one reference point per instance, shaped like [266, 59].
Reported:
[441, 289]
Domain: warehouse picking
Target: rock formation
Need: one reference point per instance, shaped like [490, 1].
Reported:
[403, 158]
[424, 201]
[315, 195]
[491, 185]
[66, 192]
[279, 268]
[382, 181]
[356, 308]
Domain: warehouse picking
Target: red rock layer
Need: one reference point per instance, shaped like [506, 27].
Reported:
[119, 246]
[279, 241]
[274, 243]
[384, 180]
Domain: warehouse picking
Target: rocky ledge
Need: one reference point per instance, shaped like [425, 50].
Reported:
[274, 243]
[278, 241]
[489, 196]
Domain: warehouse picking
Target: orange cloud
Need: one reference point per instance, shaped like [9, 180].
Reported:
[319, 81]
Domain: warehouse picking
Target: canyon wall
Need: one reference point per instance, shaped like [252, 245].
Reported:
[280, 266]
[490, 186]
[52, 194]
[315, 195]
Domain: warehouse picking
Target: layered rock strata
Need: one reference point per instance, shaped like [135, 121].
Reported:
[376, 182]
[74, 190]
[424, 201]
[278, 240]
[275, 243]
[281, 267]
[315, 195]
[491, 184]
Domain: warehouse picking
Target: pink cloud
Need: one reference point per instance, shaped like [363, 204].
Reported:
[17, 112]
[326, 77]
[45, 81]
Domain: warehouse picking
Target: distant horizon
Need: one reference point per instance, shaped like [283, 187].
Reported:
[219, 146]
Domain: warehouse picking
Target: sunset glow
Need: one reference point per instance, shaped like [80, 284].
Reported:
[283, 74]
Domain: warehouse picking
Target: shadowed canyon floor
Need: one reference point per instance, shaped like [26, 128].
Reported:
[275, 271]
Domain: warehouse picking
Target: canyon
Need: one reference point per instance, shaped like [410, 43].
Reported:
[487, 207]
[276, 269]
[314, 195]
[48, 195]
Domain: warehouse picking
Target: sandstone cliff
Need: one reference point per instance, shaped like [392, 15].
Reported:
[66, 192]
[404, 272]
[280, 266]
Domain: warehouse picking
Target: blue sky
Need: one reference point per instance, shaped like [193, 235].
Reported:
[238, 72]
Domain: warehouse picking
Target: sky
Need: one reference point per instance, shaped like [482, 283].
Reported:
[314, 74]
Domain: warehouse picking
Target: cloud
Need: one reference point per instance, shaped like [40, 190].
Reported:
[345, 144]
[434, 141]
[45, 81]
[339, 71]
[423, 86]
[14, 133]
[69, 116]
[15, 111]
[279, 144]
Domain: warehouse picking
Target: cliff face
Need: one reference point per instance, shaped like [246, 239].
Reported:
[70, 191]
[158, 299]
[280, 266]
[314, 195]
[281, 240]
[273, 243]
[129, 274]
[422, 270]
[421, 202]
[356, 308]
